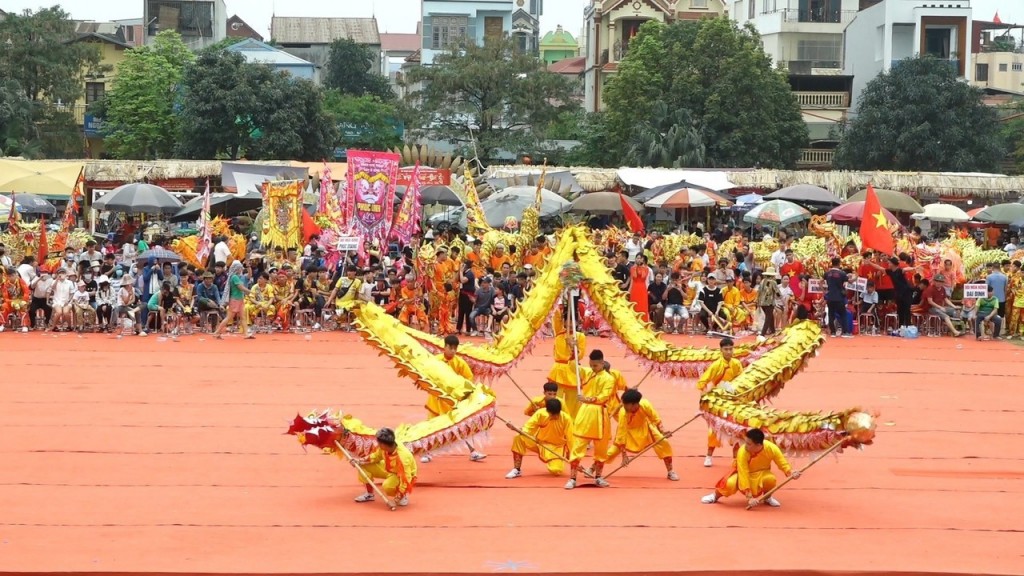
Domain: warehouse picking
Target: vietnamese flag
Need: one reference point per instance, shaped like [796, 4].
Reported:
[632, 218]
[874, 226]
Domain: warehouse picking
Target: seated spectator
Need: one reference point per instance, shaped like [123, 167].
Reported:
[987, 310]
[937, 302]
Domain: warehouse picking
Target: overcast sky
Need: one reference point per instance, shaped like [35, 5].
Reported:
[392, 15]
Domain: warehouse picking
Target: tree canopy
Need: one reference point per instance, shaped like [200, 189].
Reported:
[920, 117]
[491, 96]
[365, 122]
[231, 108]
[140, 119]
[710, 87]
[350, 71]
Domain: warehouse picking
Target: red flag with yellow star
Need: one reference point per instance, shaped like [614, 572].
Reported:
[875, 232]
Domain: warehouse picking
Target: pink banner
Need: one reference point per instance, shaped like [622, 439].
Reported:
[372, 177]
[407, 219]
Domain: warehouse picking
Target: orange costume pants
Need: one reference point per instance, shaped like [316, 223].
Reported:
[414, 311]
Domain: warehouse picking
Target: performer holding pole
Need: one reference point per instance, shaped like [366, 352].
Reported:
[722, 371]
[548, 433]
[391, 462]
[752, 472]
[626, 462]
[565, 371]
[592, 423]
[639, 427]
[436, 406]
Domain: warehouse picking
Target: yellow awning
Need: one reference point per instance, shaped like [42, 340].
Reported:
[50, 178]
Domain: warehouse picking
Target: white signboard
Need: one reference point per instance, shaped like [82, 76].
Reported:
[349, 243]
[861, 285]
[815, 286]
[975, 291]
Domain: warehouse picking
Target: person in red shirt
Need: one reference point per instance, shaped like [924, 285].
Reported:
[883, 283]
[792, 268]
[937, 303]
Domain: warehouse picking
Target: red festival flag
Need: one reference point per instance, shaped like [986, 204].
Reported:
[407, 219]
[12, 217]
[43, 252]
[632, 218]
[61, 242]
[874, 226]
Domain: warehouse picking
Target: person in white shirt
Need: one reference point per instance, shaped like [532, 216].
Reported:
[634, 246]
[27, 269]
[5, 260]
[221, 251]
[779, 257]
[60, 295]
[128, 252]
[81, 307]
[90, 253]
[106, 299]
[40, 292]
[1011, 247]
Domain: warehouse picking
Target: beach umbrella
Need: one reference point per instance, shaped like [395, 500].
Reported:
[33, 204]
[805, 193]
[749, 200]
[652, 193]
[940, 212]
[1007, 213]
[780, 213]
[853, 212]
[603, 202]
[891, 200]
[687, 198]
[138, 198]
[513, 201]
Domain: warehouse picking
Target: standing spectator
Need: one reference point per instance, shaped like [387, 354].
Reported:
[835, 298]
[5, 260]
[997, 281]
[767, 294]
[466, 294]
[221, 250]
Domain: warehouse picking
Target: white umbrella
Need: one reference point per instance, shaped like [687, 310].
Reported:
[940, 212]
[512, 201]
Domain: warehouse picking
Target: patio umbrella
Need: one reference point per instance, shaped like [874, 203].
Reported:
[1018, 225]
[512, 201]
[160, 255]
[940, 212]
[221, 204]
[805, 193]
[32, 204]
[439, 195]
[46, 178]
[1001, 213]
[687, 198]
[652, 193]
[138, 198]
[853, 212]
[749, 200]
[779, 213]
[603, 202]
[891, 200]
[974, 212]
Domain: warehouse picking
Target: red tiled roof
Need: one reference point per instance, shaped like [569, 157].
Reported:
[400, 42]
[569, 65]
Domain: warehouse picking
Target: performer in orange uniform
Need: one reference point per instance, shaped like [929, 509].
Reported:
[620, 387]
[751, 473]
[391, 462]
[592, 424]
[552, 428]
[539, 402]
[16, 299]
[724, 369]
[436, 405]
[1015, 301]
[443, 272]
[639, 427]
[563, 372]
[284, 299]
[499, 258]
[411, 299]
[446, 308]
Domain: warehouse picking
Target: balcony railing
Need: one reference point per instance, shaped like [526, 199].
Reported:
[815, 157]
[823, 99]
[819, 16]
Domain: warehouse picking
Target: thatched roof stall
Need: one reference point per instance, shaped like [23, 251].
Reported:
[928, 185]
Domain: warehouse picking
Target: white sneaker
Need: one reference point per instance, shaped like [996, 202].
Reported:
[847, 336]
[710, 498]
[673, 476]
[570, 484]
[316, 326]
[601, 482]
[24, 329]
[761, 340]
[2, 327]
[707, 462]
[426, 458]
[403, 501]
[476, 456]
[513, 474]
[773, 502]
[367, 497]
[143, 333]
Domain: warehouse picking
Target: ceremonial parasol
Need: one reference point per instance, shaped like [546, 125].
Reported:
[853, 212]
[605, 202]
[939, 212]
[777, 213]
[891, 200]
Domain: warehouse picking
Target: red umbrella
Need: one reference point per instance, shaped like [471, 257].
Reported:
[853, 212]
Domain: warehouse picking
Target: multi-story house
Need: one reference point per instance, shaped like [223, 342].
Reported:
[108, 39]
[558, 45]
[526, 25]
[310, 38]
[445, 22]
[997, 56]
[201, 23]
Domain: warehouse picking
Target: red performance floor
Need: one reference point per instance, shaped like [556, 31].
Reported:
[147, 455]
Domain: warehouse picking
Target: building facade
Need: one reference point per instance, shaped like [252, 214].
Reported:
[526, 25]
[109, 41]
[558, 45]
[310, 38]
[201, 23]
[260, 53]
[445, 22]
[997, 56]
[238, 28]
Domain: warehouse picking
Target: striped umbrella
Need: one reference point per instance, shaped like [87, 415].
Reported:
[687, 198]
[779, 213]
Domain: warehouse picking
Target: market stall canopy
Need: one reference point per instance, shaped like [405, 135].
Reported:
[779, 213]
[511, 202]
[603, 203]
[891, 200]
[51, 179]
[651, 177]
[853, 212]
[561, 182]
[138, 198]
[805, 193]
[221, 204]
[230, 172]
[1001, 213]
[33, 204]
[940, 212]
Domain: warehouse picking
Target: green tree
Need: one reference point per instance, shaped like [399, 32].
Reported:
[1012, 132]
[140, 120]
[350, 71]
[669, 138]
[594, 148]
[16, 129]
[920, 117]
[491, 96]
[718, 73]
[231, 108]
[366, 122]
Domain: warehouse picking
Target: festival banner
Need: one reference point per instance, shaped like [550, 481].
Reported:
[282, 226]
[12, 217]
[407, 219]
[68, 222]
[427, 176]
[326, 189]
[205, 241]
[372, 177]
